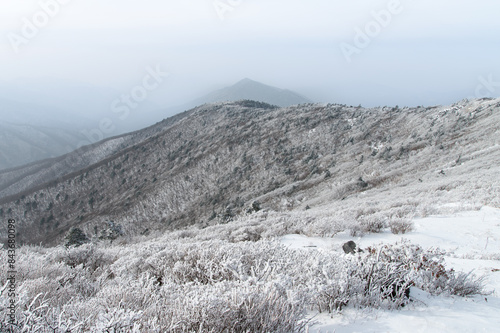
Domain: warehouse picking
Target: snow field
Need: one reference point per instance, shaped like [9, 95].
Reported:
[472, 243]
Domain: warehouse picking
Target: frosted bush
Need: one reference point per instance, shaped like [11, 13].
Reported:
[465, 284]
[429, 271]
[400, 225]
[116, 320]
[245, 234]
[359, 281]
[38, 315]
[87, 255]
[182, 285]
[372, 223]
[356, 230]
[233, 307]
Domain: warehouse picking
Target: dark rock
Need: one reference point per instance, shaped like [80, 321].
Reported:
[349, 247]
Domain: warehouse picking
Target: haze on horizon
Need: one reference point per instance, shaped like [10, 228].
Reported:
[423, 53]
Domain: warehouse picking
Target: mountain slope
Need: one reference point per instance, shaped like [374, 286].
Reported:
[211, 163]
[33, 175]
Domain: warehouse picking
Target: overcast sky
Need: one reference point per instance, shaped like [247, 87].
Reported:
[423, 53]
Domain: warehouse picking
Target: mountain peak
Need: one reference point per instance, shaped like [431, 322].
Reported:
[245, 81]
[257, 91]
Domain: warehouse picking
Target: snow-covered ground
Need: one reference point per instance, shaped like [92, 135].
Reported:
[255, 273]
[472, 243]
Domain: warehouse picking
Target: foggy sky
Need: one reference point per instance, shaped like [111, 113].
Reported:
[425, 53]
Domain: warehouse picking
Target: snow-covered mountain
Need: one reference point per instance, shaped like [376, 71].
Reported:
[208, 165]
[232, 217]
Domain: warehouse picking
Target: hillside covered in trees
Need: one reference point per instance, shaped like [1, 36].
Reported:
[218, 161]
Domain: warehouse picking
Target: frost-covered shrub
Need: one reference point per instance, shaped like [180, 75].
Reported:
[402, 211]
[177, 284]
[427, 210]
[356, 230]
[117, 320]
[428, 269]
[333, 285]
[360, 281]
[186, 234]
[202, 264]
[400, 225]
[382, 276]
[87, 255]
[326, 227]
[372, 223]
[38, 315]
[246, 234]
[465, 284]
[231, 307]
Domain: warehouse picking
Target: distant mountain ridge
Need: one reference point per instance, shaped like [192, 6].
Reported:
[27, 135]
[30, 132]
[256, 91]
[21, 144]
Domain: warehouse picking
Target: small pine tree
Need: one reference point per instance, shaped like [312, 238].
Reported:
[76, 237]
